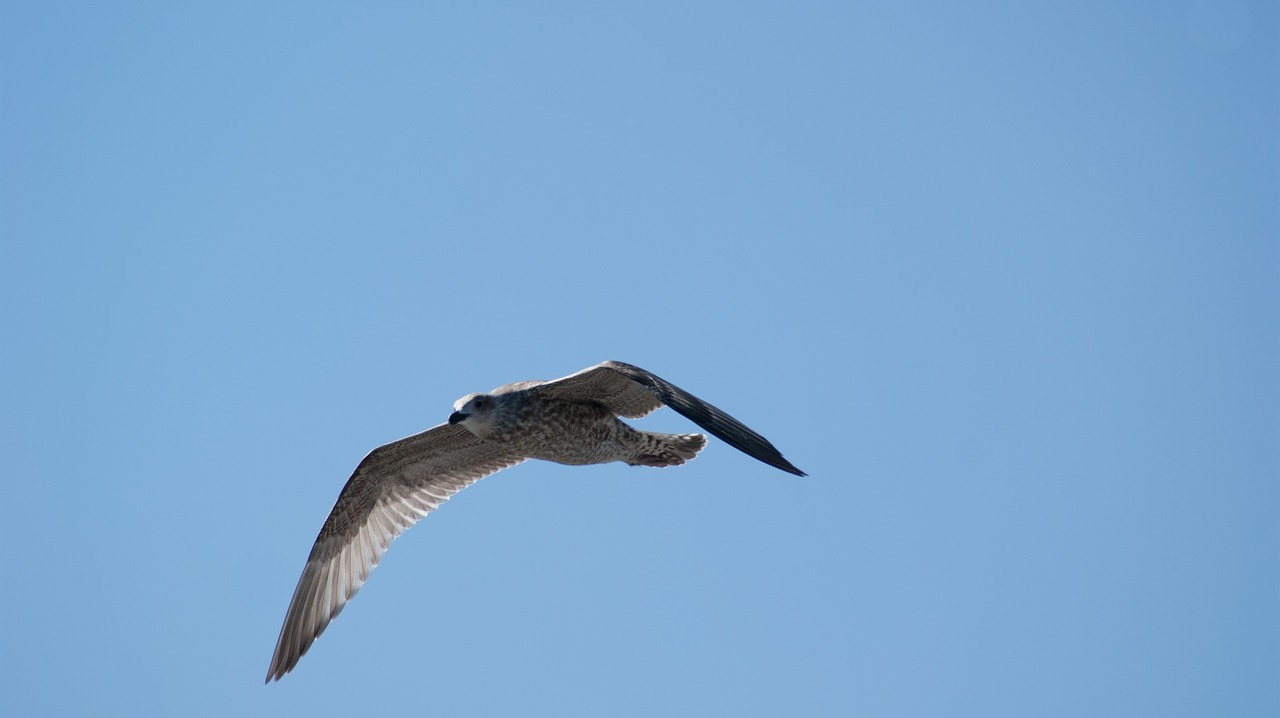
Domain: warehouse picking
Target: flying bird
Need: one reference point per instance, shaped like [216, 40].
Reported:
[572, 420]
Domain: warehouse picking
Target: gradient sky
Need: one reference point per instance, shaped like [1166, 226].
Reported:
[1002, 277]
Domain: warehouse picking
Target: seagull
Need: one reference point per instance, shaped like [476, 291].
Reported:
[573, 420]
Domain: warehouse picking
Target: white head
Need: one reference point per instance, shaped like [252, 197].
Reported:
[475, 412]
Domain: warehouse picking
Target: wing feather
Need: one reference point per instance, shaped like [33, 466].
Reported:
[393, 488]
[606, 385]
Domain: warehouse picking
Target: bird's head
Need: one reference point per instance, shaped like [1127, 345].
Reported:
[475, 412]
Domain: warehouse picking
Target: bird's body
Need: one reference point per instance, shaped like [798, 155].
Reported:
[573, 420]
[570, 432]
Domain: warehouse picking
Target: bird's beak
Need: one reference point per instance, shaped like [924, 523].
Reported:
[457, 416]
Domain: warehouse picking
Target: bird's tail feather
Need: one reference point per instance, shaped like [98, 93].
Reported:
[667, 449]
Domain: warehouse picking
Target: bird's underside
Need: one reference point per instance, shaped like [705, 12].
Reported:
[573, 420]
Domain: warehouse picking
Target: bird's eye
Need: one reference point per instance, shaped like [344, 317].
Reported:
[479, 403]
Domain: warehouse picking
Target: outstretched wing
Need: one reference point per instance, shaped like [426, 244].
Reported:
[392, 488]
[633, 392]
[600, 383]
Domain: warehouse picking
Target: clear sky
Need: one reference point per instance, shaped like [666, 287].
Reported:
[1002, 277]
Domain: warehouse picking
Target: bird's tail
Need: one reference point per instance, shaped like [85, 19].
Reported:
[667, 449]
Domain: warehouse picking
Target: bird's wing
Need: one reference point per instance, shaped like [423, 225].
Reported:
[600, 383]
[633, 392]
[393, 487]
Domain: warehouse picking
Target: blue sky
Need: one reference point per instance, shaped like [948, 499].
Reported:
[1001, 277]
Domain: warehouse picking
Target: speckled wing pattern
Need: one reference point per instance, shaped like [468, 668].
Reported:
[633, 392]
[602, 383]
[392, 488]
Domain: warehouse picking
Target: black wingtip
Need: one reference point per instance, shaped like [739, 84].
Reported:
[786, 466]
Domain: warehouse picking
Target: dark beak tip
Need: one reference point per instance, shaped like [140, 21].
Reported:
[456, 416]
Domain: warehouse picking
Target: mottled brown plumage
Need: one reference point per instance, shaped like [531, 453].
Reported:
[573, 420]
